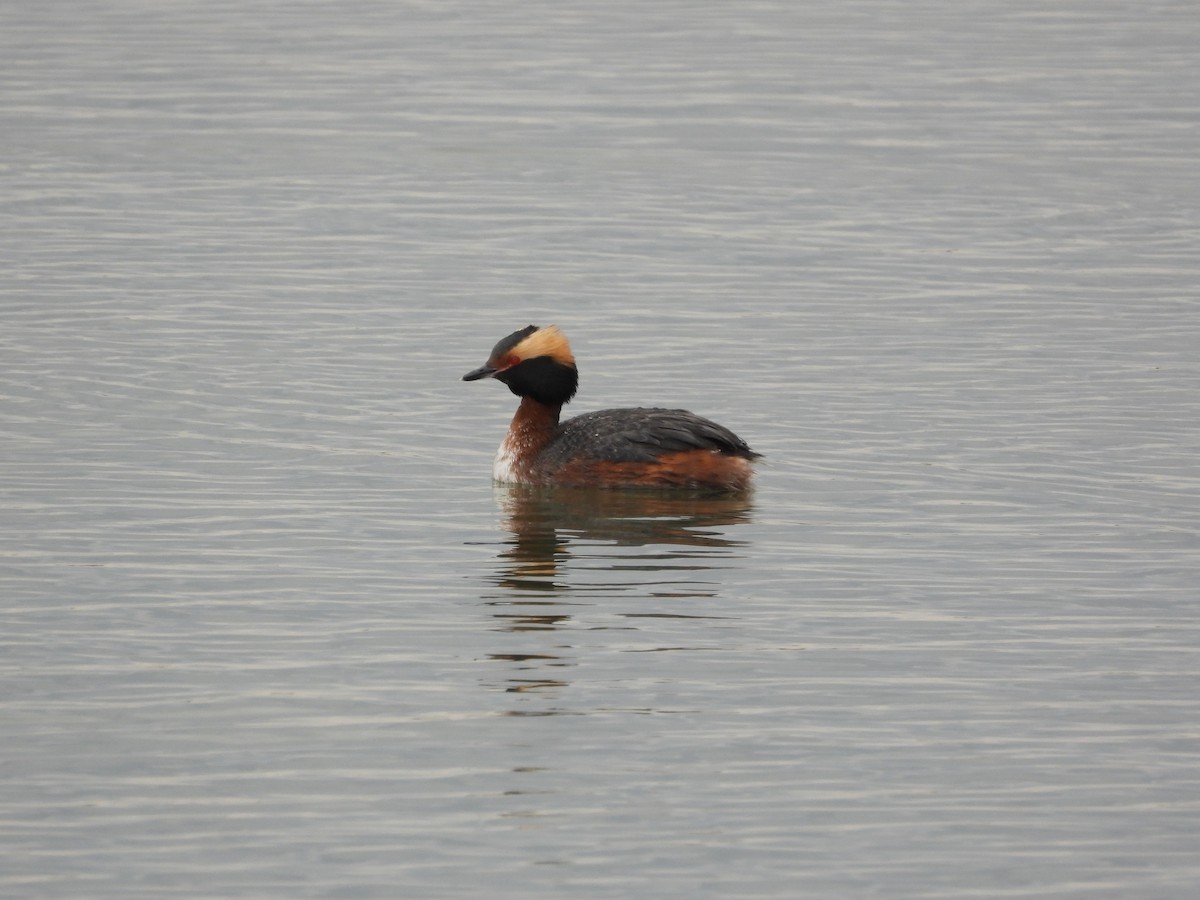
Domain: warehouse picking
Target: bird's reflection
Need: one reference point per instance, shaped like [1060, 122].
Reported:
[545, 522]
[567, 548]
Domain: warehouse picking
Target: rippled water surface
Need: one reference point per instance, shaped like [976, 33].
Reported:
[268, 629]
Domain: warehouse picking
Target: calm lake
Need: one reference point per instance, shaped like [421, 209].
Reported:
[269, 630]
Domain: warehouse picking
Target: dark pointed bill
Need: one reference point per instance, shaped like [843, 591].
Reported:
[481, 372]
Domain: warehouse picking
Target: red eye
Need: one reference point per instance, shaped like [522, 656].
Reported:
[509, 361]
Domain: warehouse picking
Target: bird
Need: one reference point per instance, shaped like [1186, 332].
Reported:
[638, 447]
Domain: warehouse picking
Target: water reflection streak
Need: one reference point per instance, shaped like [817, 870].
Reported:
[569, 552]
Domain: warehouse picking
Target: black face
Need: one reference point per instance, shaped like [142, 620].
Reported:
[542, 378]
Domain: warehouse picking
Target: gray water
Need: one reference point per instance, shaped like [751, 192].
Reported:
[268, 629]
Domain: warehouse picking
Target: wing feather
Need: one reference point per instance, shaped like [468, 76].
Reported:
[640, 435]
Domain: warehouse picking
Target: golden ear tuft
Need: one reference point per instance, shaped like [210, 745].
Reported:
[548, 341]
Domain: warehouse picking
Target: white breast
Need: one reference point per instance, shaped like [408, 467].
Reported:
[504, 469]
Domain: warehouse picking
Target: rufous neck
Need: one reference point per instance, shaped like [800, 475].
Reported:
[534, 423]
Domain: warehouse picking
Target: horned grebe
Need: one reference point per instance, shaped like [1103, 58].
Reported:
[624, 448]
